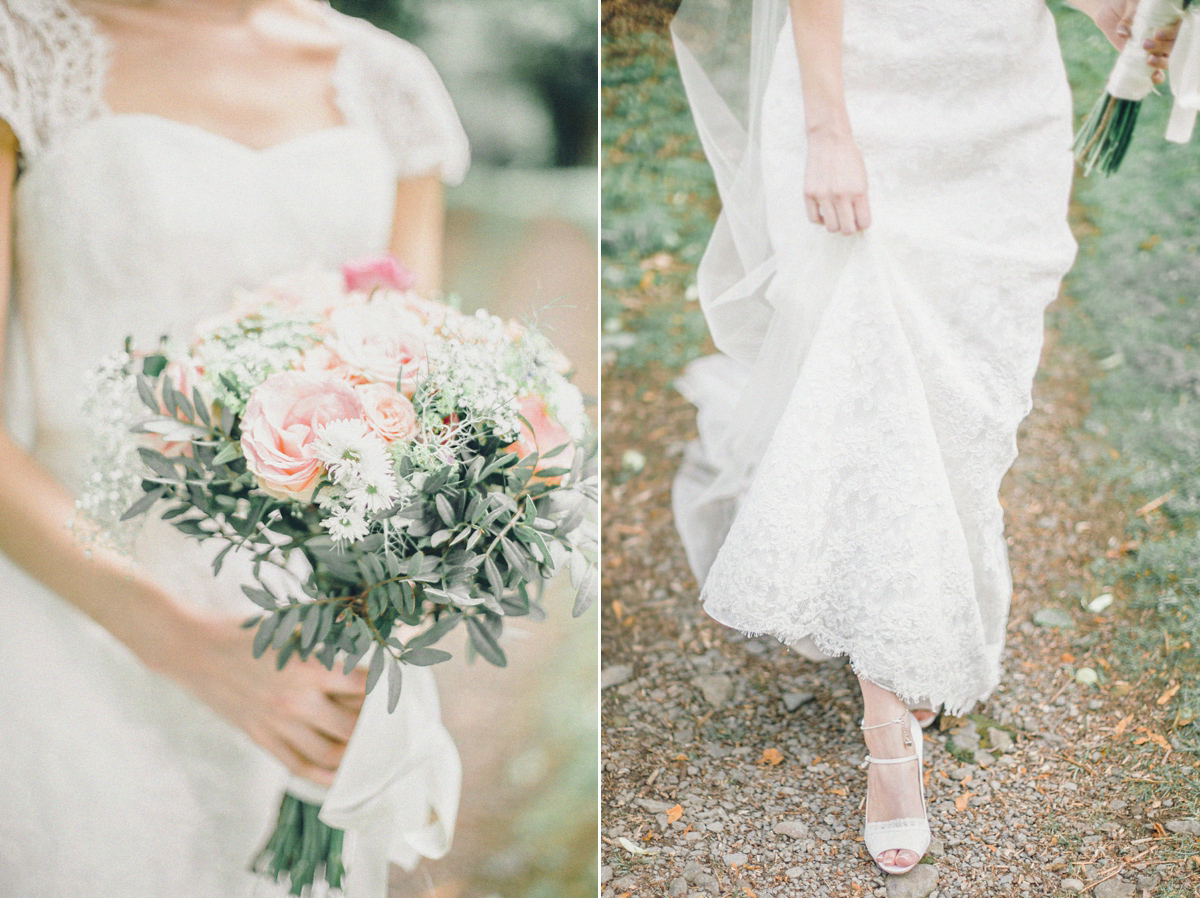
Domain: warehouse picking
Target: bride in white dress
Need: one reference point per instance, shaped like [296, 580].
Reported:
[153, 155]
[894, 179]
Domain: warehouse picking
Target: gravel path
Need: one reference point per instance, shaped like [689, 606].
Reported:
[731, 766]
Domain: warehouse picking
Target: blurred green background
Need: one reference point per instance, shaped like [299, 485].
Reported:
[521, 237]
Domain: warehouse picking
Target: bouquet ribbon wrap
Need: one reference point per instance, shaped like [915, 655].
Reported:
[1185, 78]
[396, 791]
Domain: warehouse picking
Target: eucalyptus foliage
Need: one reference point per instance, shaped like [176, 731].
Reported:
[470, 545]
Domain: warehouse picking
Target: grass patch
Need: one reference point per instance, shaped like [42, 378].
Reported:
[658, 206]
[1137, 313]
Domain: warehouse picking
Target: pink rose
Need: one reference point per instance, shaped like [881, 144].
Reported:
[546, 434]
[280, 425]
[380, 271]
[387, 412]
[381, 341]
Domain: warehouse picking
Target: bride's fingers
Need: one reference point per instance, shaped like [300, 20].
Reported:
[314, 748]
[814, 213]
[332, 718]
[1125, 26]
[1159, 45]
[295, 762]
[829, 216]
[846, 217]
[862, 212]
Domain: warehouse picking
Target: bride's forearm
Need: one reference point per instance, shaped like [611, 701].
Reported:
[36, 532]
[817, 28]
[36, 514]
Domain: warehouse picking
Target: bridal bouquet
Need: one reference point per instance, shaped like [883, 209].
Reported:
[1106, 133]
[410, 467]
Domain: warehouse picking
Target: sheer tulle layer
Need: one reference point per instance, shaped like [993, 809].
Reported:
[843, 492]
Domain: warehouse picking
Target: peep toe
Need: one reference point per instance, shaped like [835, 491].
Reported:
[905, 833]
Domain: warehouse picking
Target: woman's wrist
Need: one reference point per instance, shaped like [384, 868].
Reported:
[828, 125]
[164, 637]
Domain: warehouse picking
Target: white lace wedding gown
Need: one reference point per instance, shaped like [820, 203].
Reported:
[113, 781]
[855, 430]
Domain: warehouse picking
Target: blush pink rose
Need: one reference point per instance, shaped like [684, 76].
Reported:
[546, 434]
[381, 341]
[280, 425]
[387, 412]
[380, 271]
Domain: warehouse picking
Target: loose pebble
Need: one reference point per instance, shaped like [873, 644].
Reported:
[1190, 826]
[717, 689]
[794, 829]
[1115, 888]
[793, 701]
[615, 675]
[1054, 618]
[916, 883]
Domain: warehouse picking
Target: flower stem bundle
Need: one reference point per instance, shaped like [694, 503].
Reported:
[1106, 133]
[302, 848]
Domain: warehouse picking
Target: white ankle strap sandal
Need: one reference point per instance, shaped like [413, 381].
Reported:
[906, 833]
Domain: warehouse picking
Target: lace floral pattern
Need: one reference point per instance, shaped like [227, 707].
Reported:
[897, 364]
[51, 71]
[54, 60]
[390, 85]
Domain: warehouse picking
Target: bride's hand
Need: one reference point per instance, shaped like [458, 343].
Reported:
[835, 184]
[303, 714]
[1115, 19]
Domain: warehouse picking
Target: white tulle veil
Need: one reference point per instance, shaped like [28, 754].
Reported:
[725, 50]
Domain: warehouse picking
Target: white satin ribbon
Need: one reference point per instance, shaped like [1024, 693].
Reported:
[1185, 78]
[396, 791]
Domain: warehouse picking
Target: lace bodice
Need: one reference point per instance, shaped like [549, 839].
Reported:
[54, 59]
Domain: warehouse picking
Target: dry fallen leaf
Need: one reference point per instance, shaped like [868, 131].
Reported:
[1151, 736]
[1120, 728]
[1166, 696]
[674, 814]
[771, 756]
[961, 802]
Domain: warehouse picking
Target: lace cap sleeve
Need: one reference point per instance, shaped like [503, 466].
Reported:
[51, 70]
[391, 85]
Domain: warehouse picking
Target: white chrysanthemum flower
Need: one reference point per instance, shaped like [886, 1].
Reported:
[375, 465]
[347, 525]
[343, 446]
[374, 495]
